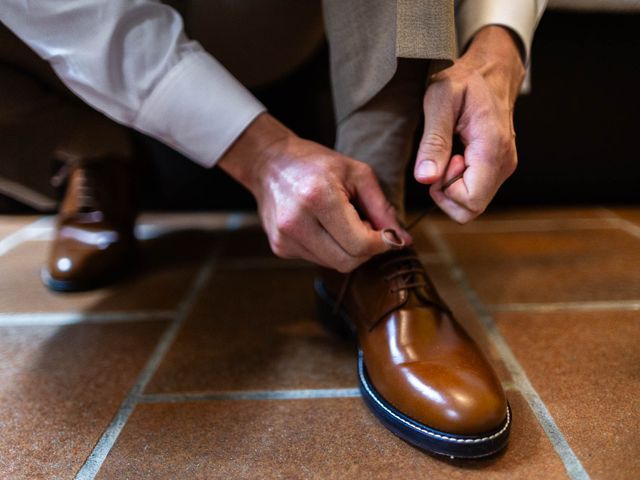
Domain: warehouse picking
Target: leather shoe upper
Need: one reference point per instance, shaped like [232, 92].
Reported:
[416, 354]
[94, 238]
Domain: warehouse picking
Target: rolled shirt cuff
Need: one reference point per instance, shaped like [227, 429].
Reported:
[198, 108]
[518, 15]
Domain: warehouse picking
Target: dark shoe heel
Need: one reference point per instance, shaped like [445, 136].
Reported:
[326, 312]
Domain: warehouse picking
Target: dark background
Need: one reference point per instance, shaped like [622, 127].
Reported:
[577, 130]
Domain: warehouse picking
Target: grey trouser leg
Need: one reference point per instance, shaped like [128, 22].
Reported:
[381, 132]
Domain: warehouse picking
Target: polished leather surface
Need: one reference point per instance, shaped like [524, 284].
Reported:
[94, 240]
[417, 355]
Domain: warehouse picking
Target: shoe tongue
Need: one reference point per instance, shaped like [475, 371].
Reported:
[417, 295]
[405, 259]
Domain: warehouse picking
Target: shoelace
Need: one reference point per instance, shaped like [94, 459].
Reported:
[415, 268]
[408, 274]
[413, 277]
[85, 186]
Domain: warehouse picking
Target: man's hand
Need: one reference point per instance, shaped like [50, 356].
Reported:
[307, 196]
[474, 99]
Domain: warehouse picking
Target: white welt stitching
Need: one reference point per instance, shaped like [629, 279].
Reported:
[415, 427]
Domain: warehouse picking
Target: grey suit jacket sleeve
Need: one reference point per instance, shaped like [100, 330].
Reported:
[521, 16]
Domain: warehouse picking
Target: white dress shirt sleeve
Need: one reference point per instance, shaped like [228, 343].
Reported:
[521, 16]
[131, 60]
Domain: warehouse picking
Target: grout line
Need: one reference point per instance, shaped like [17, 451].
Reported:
[571, 462]
[300, 394]
[625, 305]
[622, 223]
[72, 318]
[509, 385]
[145, 230]
[96, 458]
[107, 440]
[293, 394]
[236, 220]
[537, 225]
[28, 232]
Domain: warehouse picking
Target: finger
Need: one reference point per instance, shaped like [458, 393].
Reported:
[324, 249]
[320, 251]
[302, 236]
[300, 251]
[434, 151]
[453, 178]
[455, 171]
[481, 179]
[341, 220]
[454, 210]
[439, 190]
[374, 205]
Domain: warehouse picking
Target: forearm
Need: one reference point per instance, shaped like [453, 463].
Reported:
[131, 60]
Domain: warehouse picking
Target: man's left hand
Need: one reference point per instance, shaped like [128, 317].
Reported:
[474, 98]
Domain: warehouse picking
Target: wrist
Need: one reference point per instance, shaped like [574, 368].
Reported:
[252, 152]
[496, 42]
[496, 54]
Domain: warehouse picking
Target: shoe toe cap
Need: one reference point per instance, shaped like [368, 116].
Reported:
[73, 261]
[459, 401]
[452, 400]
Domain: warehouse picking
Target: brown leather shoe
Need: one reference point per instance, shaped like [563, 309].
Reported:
[419, 371]
[94, 241]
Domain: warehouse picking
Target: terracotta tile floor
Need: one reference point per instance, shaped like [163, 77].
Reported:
[174, 374]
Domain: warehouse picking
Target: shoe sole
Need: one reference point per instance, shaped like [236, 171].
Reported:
[416, 433]
[66, 286]
[69, 286]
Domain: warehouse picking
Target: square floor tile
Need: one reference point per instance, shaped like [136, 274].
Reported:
[586, 367]
[59, 389]
[554, 266]
[256, 330]
[319, 438]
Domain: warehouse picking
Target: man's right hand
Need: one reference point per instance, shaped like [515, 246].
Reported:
[307, 196]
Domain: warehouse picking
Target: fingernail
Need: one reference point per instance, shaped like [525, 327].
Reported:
[427, 169]
[392, 239]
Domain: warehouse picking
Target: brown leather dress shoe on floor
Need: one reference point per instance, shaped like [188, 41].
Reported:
[94, 240]
[419, 372]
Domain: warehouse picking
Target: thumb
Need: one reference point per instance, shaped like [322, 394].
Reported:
[435, 147]
[379, 213]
